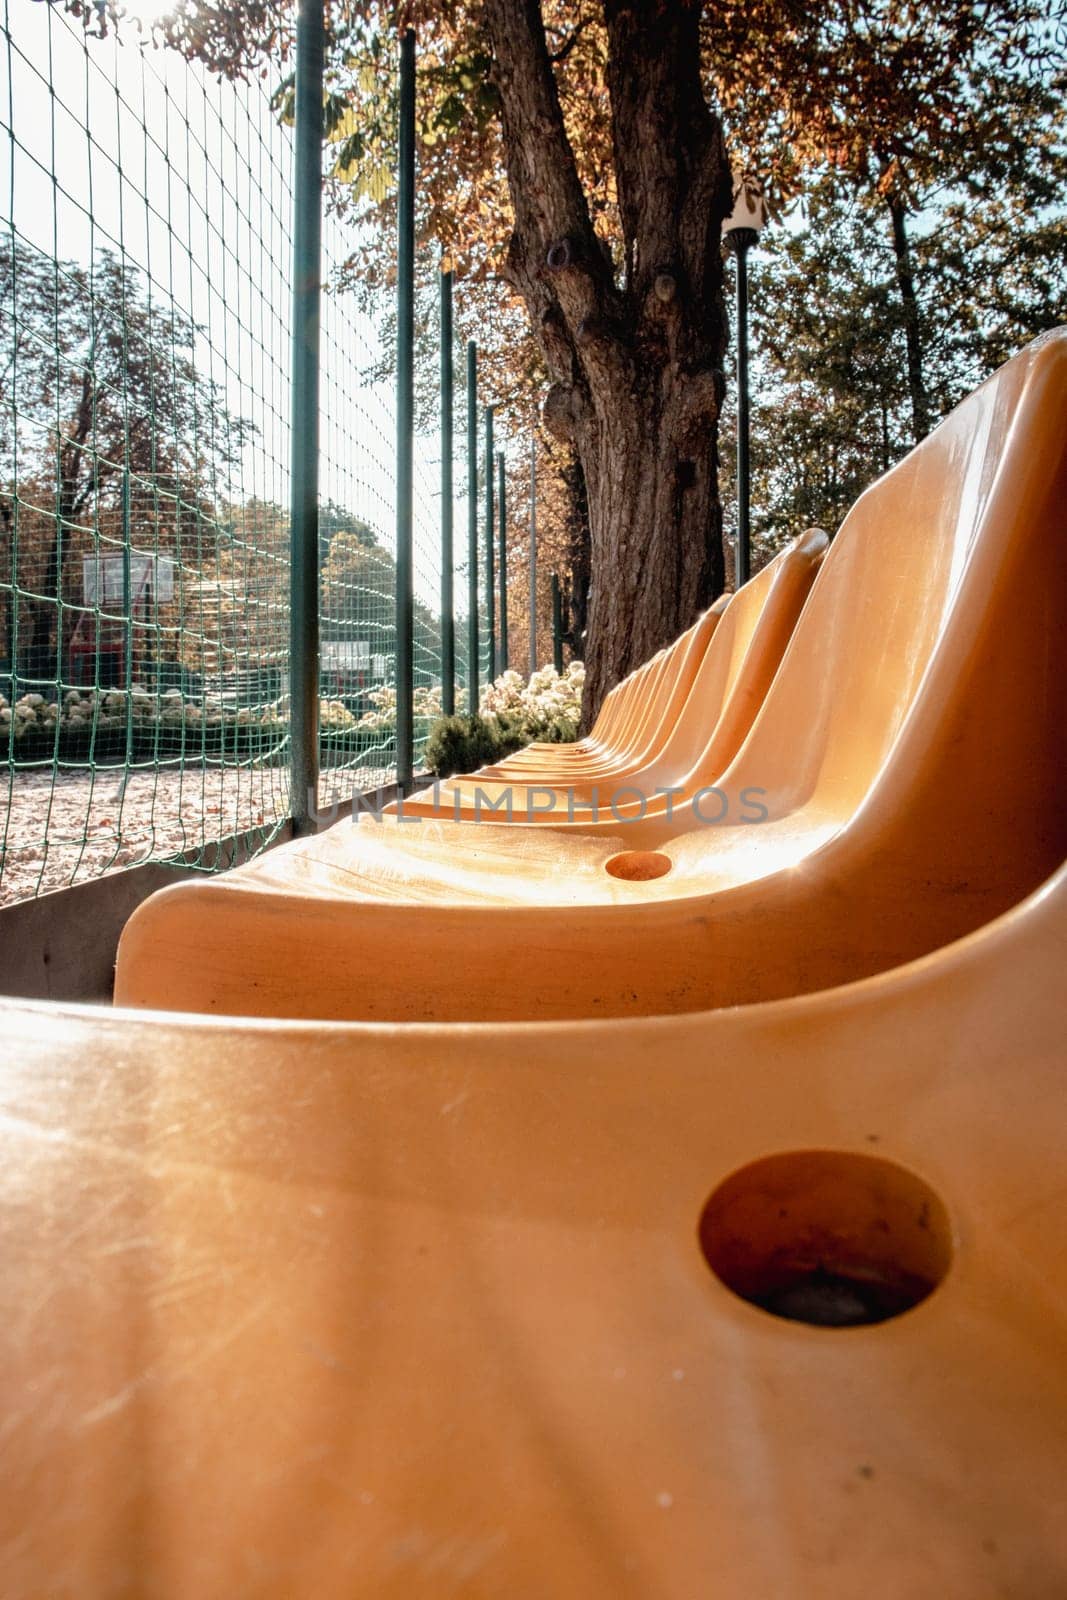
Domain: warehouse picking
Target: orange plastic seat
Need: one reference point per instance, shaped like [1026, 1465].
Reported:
[325, 1313]
[656, 705]
[614, 728]
[699, 739]
[908, 758]
[656, 692]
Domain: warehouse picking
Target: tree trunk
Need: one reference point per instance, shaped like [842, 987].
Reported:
[920, 400]
[71, 498]
[579, 553]
[636, 364]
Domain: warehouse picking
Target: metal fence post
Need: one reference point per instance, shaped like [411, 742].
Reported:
[304, 442]
[533, 554]
[472, 526]
[405, 419]
[502, 519]
[490, 556]
[557, 624]
[448, 620]
[127, 592]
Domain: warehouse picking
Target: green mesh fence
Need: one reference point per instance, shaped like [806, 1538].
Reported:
[357, 584]
[357, 538]
[461, 566]
[144, 325]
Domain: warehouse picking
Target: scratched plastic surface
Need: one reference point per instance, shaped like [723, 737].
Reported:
[305, 1311]
[909, 755]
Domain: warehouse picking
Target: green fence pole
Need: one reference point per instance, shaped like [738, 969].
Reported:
[557, 623]
[304, 443]
[533, 554]
[490, 557]
[473, 643]
[127, 592]
[502, 519]
[405, 420]
[127, 613]
[448, 620]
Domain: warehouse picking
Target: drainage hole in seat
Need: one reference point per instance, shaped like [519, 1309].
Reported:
[827, 1237]
[638, 866]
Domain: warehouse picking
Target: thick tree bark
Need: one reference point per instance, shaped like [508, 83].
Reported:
[920, 400]
[635, 358]
[579, 555]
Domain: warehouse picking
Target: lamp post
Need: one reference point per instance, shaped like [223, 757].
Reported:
[502, 562]
[740, 232]
[472, 527]
[448, 614]
[557, 624]
[490, 553]
[533, 554]
[405, 422]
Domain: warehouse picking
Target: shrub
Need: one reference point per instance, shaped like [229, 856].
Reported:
[462, 743]
[511, 714]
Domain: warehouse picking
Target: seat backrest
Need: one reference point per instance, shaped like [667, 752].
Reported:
[659, 689]
[683, 663]
[640, 706]
[739, 664]
[612, 710]
[942, 567]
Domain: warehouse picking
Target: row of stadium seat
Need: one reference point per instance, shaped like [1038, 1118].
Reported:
[859, 775]
[648, 1237]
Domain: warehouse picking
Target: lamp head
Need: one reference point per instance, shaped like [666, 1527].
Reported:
[748, 218]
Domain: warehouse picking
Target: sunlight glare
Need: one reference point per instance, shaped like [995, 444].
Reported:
[148, 12]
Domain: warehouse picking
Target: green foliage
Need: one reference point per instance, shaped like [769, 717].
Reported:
[557, 730]
[832, 409]
[464, 743]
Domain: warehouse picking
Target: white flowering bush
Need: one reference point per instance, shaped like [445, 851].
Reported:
[381, 718]
[382, 715]
[552, 698]
[511, 713]
[549, 697]
[504, 697]
[334, 715]
[89, 725]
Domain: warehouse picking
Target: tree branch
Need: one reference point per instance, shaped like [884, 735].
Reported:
[556, 260]
[557, 56]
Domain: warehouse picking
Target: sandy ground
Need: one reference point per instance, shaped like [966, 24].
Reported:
[91, 824]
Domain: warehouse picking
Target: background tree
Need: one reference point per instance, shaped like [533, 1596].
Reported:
[907, 104]
[107, 427]
[833, 404]
[606, 118]
[357, 590]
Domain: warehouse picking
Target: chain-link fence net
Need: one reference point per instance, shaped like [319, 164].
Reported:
[357, 541]
[144, 344]
[145, 325]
